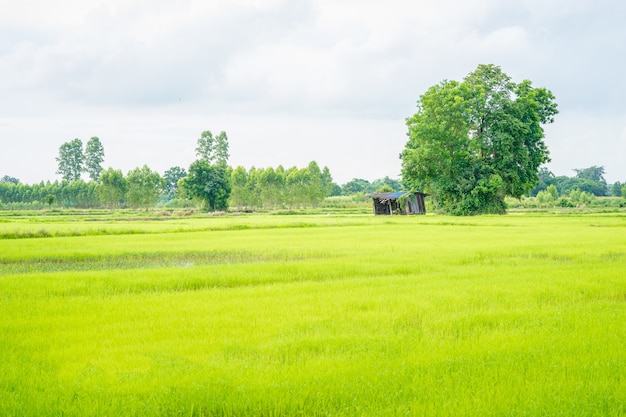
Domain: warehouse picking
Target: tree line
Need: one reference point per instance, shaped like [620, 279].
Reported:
[208, 182]
[587, 180]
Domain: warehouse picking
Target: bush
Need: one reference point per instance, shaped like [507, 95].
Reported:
[564, 202]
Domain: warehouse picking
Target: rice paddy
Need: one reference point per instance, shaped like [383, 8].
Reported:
[313, 315]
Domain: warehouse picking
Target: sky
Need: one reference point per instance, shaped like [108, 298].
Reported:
[291, 81]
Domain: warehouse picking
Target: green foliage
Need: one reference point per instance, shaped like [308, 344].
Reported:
[94, 156]
[240, 195]
[271, 185]
[213, 150]
[546, 178]
[171, 177]
[590, 180]
[387, 189]
[554, 193]
[585, 198]
[394, 185]
[70, 160]
[271, 188]
[317, 188]
[566, 184]
[355, 186]
[205, 144]
[8, 178]
[208, 183]
[580, 197]
[624, 191]
[474, 142]
[358, 186]
[221, 153]
[112, 187]
[593, 173]
[144, 187]
[575, 195]
[335, 190]
[616, 189]
[543, 197]
[326, 179]
[78, 194]
[564, 202]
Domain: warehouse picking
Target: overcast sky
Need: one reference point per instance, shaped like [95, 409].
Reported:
[292, 81]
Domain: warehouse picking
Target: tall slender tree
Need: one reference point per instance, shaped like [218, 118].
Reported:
[220, 153]
[204, 150]
[213, 149]
[94, 156]
[70, 160]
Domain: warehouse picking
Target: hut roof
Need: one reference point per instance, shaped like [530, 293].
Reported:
[390, 196]
[386, 196]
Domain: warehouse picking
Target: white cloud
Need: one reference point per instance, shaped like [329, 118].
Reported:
[290, 79]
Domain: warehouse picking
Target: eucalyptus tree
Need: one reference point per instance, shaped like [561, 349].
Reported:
[471, 143]
[316, 190]
[70, 160]
[205, 145]
[112, 187]
[272, 184]
[144, 187]
[240, 192]
[213, 149]
[94, 156]
[221, 153]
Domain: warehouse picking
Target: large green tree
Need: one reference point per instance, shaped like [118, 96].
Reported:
[94, 156]
[70, 160]
[471, 143]
[208, 183]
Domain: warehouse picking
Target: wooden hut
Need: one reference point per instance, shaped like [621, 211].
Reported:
[399, 202]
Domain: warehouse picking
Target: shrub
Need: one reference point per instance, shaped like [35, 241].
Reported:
[564, 202]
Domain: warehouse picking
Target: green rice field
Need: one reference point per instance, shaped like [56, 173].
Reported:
[313, 315]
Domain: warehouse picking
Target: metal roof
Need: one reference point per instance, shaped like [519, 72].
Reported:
[387, 196]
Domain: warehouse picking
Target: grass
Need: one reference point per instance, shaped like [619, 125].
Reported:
[520, 315]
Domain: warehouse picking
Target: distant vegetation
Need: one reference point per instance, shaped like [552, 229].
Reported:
[588, 180]
[209, 183]
[252, 189]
